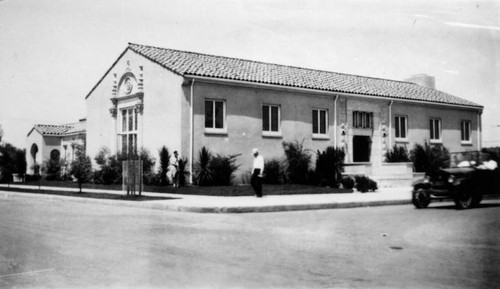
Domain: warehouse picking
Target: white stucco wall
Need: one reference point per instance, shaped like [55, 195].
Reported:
[33, 138]
[160, 122]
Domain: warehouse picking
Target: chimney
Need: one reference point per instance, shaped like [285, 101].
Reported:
[423, 80]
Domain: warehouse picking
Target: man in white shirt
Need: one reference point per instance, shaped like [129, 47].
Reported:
[488, 163]
[257, 173]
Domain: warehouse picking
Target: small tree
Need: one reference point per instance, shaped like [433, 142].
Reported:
[81, 168]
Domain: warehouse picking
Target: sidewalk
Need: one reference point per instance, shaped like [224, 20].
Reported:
[245, 204]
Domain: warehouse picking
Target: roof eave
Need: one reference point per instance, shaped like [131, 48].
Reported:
[277, 86]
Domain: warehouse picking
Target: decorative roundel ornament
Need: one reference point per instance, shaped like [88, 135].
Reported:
[127, 86]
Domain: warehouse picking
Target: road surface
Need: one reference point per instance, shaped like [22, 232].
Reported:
[69, 244]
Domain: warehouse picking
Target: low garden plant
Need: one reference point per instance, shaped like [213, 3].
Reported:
[364, 184]
[348, 182]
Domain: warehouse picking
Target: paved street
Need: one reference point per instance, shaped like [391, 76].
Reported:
[67, 244]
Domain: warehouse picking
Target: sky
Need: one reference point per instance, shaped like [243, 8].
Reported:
[52, 52]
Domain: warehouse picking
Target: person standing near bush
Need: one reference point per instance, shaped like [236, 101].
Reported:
[175, 164]
[257, 173]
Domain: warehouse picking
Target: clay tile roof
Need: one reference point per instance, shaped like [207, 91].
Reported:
[60, 130]
[196, 64]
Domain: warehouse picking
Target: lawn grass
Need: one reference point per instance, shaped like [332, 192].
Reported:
[228, 191]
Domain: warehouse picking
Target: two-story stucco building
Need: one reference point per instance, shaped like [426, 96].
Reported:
[153, 96]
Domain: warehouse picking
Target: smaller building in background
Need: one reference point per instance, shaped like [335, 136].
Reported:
[46, 140]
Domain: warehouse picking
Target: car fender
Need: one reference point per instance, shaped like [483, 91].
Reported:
[421, 184]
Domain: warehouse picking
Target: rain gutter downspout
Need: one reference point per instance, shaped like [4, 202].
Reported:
[191, 126]
[479, 132]
[390, 124]
[335, 120]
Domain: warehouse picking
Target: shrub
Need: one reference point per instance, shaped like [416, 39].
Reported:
[110, 167]
[52, 168]
[372, 185]
[203, 174]
[329, 166]
[164, 166]
[429, 159]
[215, 170]
[296, 166]
[347, 182]
[12, 160]
[365, 184]
[148, 163]
[398, 154]
[272, 172]
[181, 171]
[222, 168]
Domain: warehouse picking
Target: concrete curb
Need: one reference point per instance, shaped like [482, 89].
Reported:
[229, 209]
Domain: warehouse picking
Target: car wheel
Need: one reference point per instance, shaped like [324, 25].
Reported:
[464, 201]
[421, 199]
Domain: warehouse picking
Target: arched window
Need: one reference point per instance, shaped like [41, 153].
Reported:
[34, 151]
[55, 155]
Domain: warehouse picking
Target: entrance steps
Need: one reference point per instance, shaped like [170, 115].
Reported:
[387, 175]
[392, 181]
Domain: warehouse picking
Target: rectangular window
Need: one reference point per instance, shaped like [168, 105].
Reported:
[215, 115]
[401, 127]
[320, 121]
[362, 119]
[128, 132]
[435, 129]
[271, 118]
[465, 128]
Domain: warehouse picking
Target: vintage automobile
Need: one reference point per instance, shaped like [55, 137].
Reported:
[465, 181]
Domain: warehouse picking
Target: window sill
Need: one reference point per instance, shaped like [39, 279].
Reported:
[276, 134]
[320, 137]
[436, 141]
[402, 140]
[215, 131]
[466, 143]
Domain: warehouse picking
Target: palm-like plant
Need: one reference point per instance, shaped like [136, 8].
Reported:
[181, 172]
[203, 174]
[164, 165]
